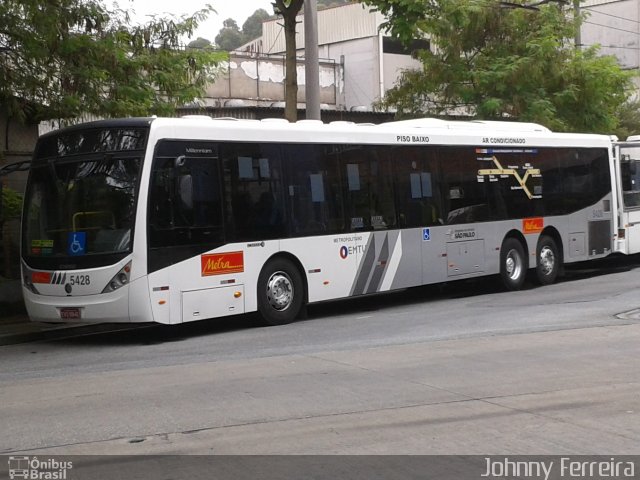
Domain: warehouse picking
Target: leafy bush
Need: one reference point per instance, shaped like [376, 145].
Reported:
[11, 204]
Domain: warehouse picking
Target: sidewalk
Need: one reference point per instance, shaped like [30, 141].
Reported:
[15, 326]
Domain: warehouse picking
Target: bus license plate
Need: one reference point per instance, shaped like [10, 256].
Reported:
[70, 313]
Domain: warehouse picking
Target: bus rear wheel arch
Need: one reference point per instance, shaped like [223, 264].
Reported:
[548, 260]
[281, 291]
[513, 263]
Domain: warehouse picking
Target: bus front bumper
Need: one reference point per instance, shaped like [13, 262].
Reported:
[110, 307]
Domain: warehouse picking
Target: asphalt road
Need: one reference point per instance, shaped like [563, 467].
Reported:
[463, 368]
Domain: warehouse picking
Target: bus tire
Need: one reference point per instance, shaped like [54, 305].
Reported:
[280, 292]
[513, 266]
[547, 260]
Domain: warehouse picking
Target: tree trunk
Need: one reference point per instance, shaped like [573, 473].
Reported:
[289, 10]
[291, 71]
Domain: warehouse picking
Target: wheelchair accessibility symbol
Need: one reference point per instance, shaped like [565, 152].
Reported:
[76, 243]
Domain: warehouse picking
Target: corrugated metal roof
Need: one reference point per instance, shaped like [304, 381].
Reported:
[258, 113]
[593, 3]
[337, 24]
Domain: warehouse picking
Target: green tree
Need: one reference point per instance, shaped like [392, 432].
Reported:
[629, 115]
[62, 58]
[11, 205]
[289, 9]
[10, 209]
[200, 43]
[252, 27]
[495, 63]
[230, 37]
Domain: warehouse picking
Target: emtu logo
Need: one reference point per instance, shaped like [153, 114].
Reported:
[345, 250]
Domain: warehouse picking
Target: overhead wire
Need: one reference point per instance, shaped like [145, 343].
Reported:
[608, 46]
[609, 15]
[611, 28]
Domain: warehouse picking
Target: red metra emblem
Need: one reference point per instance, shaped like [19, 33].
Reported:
[220, 263]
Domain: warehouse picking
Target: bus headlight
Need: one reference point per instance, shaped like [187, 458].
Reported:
[120, 279]
[29, 285]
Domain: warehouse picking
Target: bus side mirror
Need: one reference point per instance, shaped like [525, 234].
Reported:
[185, 191]
[184, 184]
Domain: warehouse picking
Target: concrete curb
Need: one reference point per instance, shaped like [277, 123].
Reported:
[36, 332]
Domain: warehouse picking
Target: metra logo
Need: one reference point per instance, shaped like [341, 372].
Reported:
[219, 263]
[533, 225]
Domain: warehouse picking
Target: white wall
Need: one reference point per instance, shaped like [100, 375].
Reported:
[394, 64]
[260, 80]
[349, 34]
[361, 69]
[335, 25]
[615, 25]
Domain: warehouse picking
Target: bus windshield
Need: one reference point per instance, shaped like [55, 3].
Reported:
[79, 209]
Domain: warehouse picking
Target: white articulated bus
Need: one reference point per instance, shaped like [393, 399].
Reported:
[174, 220]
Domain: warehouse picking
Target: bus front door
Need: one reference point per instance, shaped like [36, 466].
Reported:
[629, 185]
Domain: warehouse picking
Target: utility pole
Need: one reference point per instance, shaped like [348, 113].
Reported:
[576, 16]
[311, 67]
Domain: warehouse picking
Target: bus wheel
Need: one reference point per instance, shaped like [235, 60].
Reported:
[280, 292]
[512, 264]
[548, 260]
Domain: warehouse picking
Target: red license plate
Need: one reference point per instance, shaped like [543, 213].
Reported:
[70, 313]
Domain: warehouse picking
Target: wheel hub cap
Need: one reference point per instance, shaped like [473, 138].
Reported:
[547, 260]
[280, 291]
[513, 265]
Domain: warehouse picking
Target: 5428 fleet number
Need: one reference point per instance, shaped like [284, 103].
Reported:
[80, 280]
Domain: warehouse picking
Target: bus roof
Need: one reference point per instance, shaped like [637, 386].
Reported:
[469, 125]
[415, 131]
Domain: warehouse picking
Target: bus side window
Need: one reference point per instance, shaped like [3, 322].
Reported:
[417, 188]
[184, 203]
[254, 191]
[630, 172]
[368, 187]
[356, 186]
[627, 172]
[467, 197]
[160, 202]
[586, 177]
[312, 189]
[382, 194]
